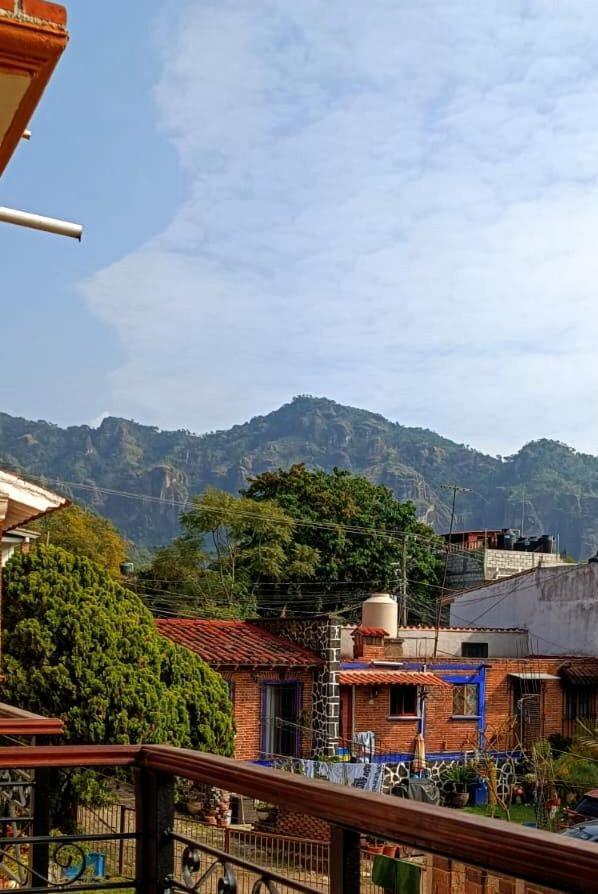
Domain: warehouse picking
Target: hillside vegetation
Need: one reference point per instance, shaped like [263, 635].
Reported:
[557, 486]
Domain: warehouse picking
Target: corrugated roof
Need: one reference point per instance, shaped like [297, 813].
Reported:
[388, 677]
[236, 644]
[581, 673]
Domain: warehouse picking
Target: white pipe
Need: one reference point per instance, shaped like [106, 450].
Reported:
[26, 135]
[38, 222]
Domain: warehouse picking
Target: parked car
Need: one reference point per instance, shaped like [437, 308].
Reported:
[584, 831]
[586, 808]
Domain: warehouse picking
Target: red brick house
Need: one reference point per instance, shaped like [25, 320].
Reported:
[270, 679]
[501, 704]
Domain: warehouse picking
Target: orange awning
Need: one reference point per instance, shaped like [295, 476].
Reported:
[389, 677]
[32, 38]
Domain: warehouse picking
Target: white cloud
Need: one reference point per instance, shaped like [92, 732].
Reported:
[395, 205]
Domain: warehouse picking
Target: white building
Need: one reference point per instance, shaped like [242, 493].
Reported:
[558, 607]
[453, 642]
[463, 642]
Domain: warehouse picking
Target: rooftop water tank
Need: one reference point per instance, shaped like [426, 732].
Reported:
[380, 610]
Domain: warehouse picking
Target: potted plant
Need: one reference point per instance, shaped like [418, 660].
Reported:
[459, 777]
[263, 810]
[374, 845]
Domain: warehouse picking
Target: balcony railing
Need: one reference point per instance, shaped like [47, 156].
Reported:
[454, 852]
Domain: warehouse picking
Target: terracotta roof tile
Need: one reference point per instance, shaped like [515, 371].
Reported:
[370, 631]
[388, 677]
[236, 644]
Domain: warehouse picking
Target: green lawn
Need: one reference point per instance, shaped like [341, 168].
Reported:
[519, 813]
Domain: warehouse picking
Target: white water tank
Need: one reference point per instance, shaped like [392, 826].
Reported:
[380, 610]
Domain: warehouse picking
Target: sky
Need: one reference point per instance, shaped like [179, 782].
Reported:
[394, 205]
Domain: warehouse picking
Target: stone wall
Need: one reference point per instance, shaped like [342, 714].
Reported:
[322, 635]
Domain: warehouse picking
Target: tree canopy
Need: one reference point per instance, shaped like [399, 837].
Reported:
[295, 540]
[84, 533]
[77, 645]
[228, 546]
[352, 562]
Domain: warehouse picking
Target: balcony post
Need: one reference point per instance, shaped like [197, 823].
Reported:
[154, 803]
[40, 856]
[345, 861]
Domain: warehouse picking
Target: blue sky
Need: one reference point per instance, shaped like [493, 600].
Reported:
[393, 205]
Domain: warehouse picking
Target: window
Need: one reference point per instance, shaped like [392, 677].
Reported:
[230, 685]
[474, 650]
[404, 701]
[465, 700]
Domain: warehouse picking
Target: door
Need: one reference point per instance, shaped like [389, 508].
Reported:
[346, 718]
[528, 709]
[280, 719]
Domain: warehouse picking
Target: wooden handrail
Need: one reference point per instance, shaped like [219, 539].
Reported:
[529, 854]
[504, 848]
[40, 756]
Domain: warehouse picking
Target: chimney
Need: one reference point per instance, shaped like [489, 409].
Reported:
[368, 643]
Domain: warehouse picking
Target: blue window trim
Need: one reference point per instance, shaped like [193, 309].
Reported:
[455, 672]
[298, 705]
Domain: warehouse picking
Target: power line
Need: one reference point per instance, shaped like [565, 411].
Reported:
[393, 533]
[455, 489]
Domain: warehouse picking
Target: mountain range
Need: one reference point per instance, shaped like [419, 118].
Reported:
[140, 476]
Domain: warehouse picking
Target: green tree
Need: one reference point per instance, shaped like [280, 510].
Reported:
[87, 534]
[358, 561]
[77, 645]
[228, 547]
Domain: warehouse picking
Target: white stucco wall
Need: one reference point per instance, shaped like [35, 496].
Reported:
[558, 606]
[419, 642]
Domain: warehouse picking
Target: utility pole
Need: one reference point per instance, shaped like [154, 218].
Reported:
[403, 613]
[456, 489]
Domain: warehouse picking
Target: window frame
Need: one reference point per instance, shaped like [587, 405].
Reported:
[467, 646]
[463, 687]
[410, 716]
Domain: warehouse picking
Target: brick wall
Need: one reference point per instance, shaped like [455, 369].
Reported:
[446, 733]
[368, 648]
[247, 706]
[321, 634]
[298, 825]
[397, 736]
[444, 876]
[500, 698]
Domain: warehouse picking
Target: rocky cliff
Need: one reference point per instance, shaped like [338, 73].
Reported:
[553, 486]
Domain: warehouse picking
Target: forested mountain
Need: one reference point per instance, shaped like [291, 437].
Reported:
[555, 487]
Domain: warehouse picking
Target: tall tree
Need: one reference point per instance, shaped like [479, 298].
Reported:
[79, 646]
[84, 533]
[358, 530]
[229, 546]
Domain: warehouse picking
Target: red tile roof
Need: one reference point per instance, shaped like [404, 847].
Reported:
[370, 631]
[236, 644]
[387, 677]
